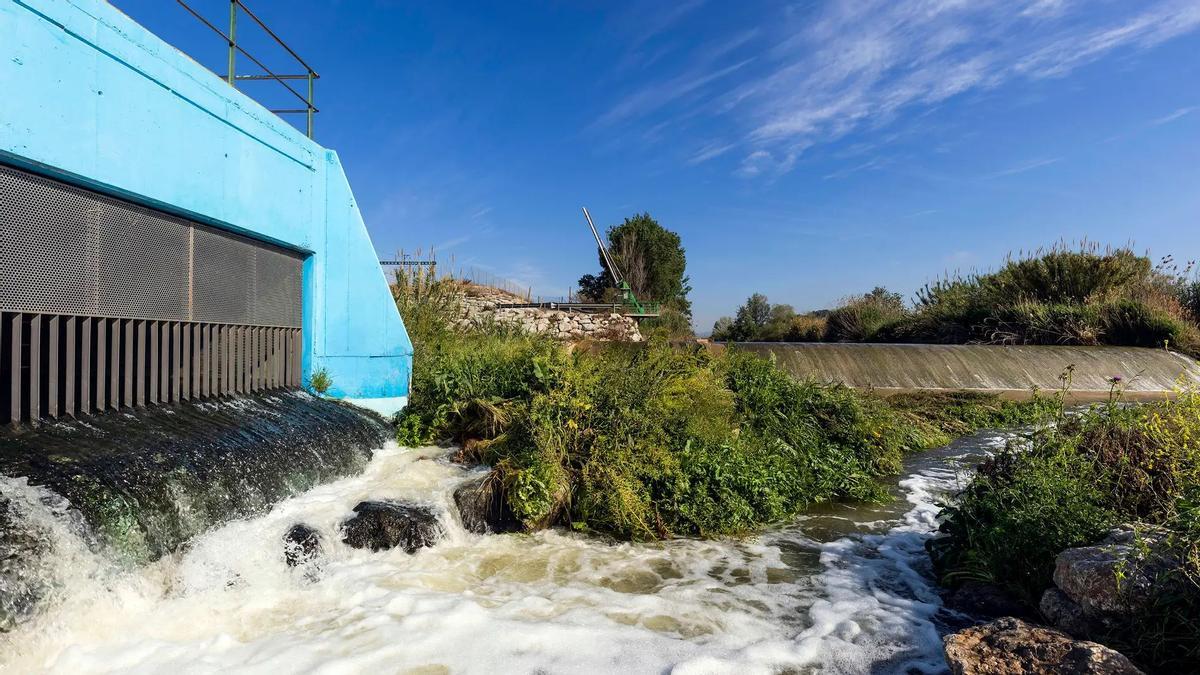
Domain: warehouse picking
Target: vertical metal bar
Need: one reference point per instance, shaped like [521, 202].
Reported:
[164, 365]
[205, 361]
[155, 335]
[35, 367]
[185, 368]
[176, 363]
[69, 398]
[197, 368]
[239, 361]
[15, 348]
[52, 368]
[114, 366]
[101, 363]
[296, 346]
[254, 352]
[141, 352]
[85, 363]
[128, 363]
[270, 358]
[277, 359]
[232, 41]
[310, 104]
[223, 360]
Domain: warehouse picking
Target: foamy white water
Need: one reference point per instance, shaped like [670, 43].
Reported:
[843, 590]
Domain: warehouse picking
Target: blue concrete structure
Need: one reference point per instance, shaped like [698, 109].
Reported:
[89, 96]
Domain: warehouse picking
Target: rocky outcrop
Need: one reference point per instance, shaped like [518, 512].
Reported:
[482, 507]
[301, 545]
[1099, 588]
[1010, 646]
[479, 305]
[382, 525]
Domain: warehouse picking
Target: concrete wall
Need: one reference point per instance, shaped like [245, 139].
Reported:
[89, 96]
[1009, 370]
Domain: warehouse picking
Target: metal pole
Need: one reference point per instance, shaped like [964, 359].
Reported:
[232, 40]
[310, 104]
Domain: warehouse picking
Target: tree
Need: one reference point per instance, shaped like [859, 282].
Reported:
[751, 318]
[652, 260]
[722, 329]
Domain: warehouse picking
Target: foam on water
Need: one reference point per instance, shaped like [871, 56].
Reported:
[846, 590]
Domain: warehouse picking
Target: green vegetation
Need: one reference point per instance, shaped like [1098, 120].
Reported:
[653, 261]
[320, 381]
[1079, 296]
[1066, 487]
[658, 440]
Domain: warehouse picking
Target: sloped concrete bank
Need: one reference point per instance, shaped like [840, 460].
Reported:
[1013, 371]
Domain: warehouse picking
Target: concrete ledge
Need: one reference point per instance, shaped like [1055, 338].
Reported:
[388, 407]
[1011, 371]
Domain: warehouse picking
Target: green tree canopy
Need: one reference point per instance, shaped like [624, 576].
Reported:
[652, 260]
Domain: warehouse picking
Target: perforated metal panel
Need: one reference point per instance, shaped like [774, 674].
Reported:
[66, 250]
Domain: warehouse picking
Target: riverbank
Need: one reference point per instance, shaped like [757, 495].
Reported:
[1093, 525]
[656, 441]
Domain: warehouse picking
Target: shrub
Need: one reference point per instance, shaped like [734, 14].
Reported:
[861, 318]
[320, 381]
[806, 328]
[651, 441]
[1065, 487]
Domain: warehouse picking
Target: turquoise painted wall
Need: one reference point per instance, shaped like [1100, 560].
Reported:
[89, 96]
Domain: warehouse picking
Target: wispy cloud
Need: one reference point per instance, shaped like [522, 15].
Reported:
[710, 151]
[814, 75]
[1166, 119]
[1029, 165]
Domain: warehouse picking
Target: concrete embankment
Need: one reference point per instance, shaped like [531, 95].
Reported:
[1012, 371]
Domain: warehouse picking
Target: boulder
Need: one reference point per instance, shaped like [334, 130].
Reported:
[1118, 576]
[482, 507]
[1011, 646]
[385, 524]
[301, 545]
[1065, 614]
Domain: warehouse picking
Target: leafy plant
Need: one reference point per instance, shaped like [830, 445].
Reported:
[320, 381]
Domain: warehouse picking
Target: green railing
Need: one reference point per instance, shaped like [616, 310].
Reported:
[310, 76]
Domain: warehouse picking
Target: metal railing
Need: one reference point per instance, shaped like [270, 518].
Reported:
[231, 76]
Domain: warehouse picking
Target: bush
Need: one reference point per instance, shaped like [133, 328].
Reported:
[650, 441]
[862, 318]
[1065, 487]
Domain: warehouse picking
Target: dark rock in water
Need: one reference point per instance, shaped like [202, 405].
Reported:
[482, 506]
[1010, 646]
[380, 525]
[984, 601]
[301, 545]
[147, 480]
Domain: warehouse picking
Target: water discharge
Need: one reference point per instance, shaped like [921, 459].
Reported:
[845, 589]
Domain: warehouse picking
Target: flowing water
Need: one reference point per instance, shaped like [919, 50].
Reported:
[844, 589]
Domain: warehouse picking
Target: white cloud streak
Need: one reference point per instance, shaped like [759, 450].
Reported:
[850, 65]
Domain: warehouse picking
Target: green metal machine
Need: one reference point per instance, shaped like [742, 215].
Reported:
[639, 308]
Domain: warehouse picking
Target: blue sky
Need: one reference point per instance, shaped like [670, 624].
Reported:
[806, 150]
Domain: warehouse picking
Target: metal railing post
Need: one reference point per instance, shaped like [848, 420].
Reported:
[232, 41]
[310, 104]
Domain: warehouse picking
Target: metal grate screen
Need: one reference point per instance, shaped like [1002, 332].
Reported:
[67, 250]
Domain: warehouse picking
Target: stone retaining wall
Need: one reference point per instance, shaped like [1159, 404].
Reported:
[480, 304]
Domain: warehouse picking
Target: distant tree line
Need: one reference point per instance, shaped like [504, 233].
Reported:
[1079, 295]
